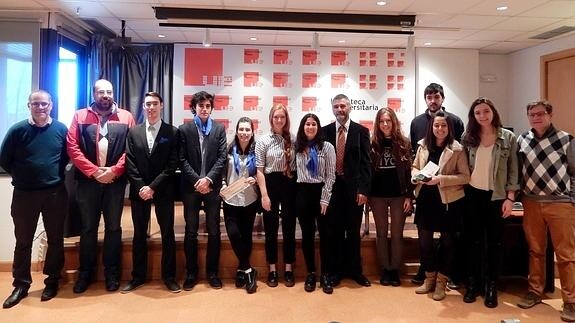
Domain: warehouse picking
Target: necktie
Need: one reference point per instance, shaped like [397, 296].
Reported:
[151, 133]
[339, 150]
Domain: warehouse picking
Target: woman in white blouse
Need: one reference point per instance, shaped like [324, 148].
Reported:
[276, 179]
[240, 209]
[315, 165]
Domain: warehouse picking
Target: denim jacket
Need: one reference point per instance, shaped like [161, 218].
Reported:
[505, 164]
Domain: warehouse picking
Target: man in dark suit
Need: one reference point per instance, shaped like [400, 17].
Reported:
[349, 192]
[151, 159]
[202, 158]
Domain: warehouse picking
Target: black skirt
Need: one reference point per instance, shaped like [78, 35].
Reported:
[432, 215]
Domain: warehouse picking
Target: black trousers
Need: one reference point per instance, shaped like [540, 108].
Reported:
[141, 218]
[192, 203]
[26, 208]
[484, 228]
[308, 214]
[239, 222]
[95, 199]
[344, 225]
[434, 260]
[281, 191]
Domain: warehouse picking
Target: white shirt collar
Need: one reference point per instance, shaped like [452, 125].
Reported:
[32, 123]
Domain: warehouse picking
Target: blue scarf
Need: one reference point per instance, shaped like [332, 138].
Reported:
[312, 163]
[204, 127]
[250, 163]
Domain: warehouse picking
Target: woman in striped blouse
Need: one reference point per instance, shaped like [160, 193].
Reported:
[315, 164]
[240, 209]
[276, 179]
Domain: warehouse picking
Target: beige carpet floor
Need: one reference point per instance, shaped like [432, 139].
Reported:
[349, 303]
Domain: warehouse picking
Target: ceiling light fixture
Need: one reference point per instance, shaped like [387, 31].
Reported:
[381, 3]
[207, 39]
[502, 8]
[341, 41]
[253, 38]
[427, 44]
[161, 36]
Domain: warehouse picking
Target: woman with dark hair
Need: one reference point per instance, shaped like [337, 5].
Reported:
[315, 165]
[240, 209]
[391, 191]
[439, 200]
[275, 164]
[490, 195]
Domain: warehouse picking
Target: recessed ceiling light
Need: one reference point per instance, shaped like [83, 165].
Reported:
[341, 41]
[161, 36]
[381, 3]
[253, 38]
[502, 8]
[427, 44]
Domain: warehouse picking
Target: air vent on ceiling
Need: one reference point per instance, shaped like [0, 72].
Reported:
[554, 33]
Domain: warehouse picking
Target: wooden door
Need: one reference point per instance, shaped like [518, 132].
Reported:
[558, 87]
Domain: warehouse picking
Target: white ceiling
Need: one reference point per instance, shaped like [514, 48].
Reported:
[474, 24]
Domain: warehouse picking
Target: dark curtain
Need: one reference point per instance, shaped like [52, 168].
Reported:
[49, 48]
[143, 69]
[102, 61]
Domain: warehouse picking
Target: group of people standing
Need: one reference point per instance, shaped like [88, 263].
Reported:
[462, 182]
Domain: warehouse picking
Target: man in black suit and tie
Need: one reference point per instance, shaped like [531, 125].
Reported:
[202, 158]
[349, 193]
[151, 159]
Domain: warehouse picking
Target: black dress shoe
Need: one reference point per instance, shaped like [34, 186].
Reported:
[491, 295]
[190, 281]
[215, 282]
[131, 286]
[112, 284]
[272, 279]
[81, 285]
[470, 294]
[172, 286]
[326, 284]
[240, 278]
[394, 278]
[251, 281]
[361, 280]
[385, 278]
[335, 280]
[310, 282]
[49, 292]
[17, 295]
[289, 279]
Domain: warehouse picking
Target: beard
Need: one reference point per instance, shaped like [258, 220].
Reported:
[105, 104]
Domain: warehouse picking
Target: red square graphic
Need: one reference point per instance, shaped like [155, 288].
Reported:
[372, 77]
[400, 78]
[362, 54]
[391, 78]
[280, 79]
[362, 62]
[188, 120]
[337, 81]
[280, 99]
[224, 122]
[251, 102]
[251, 79]
[372, 62]
[400, 86]
[203, 66]
[362, 85]
[308, 103]
[390, 56]
[362, 77]
[251, 56]
[400, 63]
[372, 86]
[187, 102]
[338, 57]
[394, 104]
[372, 55]
[367, 123]
[308, 80]
[281, 56]
[221, 102]
[309, 57]
[256, 123]
[390, 86]
[390, 63]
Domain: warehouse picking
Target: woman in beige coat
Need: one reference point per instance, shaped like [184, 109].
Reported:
[439, 200]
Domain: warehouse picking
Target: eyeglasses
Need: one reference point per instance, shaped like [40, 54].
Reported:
[342, 106]
[536, 114]
[38, 104]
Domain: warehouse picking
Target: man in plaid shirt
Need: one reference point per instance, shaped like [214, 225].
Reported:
[547, 163]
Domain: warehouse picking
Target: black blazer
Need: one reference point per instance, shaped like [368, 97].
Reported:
[155, 168]
[356, 163]
[191, 156]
